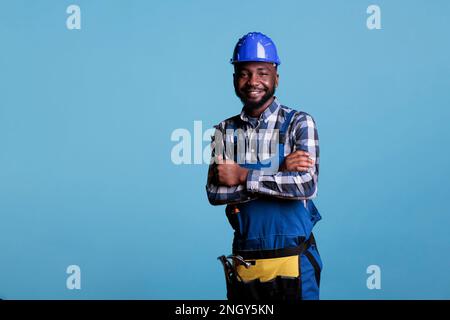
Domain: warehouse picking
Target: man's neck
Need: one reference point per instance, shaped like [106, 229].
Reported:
[255, 113]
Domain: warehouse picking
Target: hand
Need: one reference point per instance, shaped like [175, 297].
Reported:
[297, 161]
[229, 173]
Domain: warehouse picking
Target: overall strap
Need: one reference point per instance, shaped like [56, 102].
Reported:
[283, 137]
[284, 127]
[282, 131]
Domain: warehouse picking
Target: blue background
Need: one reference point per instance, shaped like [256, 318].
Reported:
[86, 117]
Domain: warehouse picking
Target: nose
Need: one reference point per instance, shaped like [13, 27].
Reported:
[253, 80]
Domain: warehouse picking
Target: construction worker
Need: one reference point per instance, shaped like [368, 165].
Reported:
[267, 189]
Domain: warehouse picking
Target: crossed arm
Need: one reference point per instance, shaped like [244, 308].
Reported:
[296, 178]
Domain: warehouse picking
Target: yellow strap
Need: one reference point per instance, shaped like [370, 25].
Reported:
[268, 269]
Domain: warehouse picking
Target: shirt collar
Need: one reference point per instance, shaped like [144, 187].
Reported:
[272, 109]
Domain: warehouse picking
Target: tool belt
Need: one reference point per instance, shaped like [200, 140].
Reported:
[273, 275]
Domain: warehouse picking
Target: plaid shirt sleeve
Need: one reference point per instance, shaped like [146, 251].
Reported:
[292, 185]
[218, 194]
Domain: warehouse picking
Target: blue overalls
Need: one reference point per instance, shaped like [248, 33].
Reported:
[271, 228]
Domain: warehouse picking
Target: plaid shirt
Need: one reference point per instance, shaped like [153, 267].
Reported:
[301, 135]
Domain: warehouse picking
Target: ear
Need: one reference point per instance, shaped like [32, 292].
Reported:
[276, 80]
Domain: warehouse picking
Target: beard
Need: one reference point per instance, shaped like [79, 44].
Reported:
[250, 105]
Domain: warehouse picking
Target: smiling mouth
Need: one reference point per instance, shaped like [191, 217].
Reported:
[253, 92]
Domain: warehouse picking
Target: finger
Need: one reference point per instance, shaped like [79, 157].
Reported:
[298, 154]
[227, 161]
[302, 169]
[302, 164]
[220, 159]
[302, 153]
[306, 160]
[293, 157]
[309, 161]
[302, 160]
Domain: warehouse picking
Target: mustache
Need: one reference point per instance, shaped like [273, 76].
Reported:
[253, 88]
[245, 90]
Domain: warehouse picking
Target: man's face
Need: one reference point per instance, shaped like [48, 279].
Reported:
[255, 82]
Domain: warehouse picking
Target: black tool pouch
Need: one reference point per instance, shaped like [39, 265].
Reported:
[278, 289]
[281, 288]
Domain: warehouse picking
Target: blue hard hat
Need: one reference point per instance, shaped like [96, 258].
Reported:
[255, 46]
